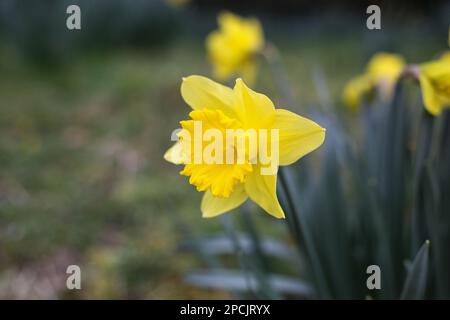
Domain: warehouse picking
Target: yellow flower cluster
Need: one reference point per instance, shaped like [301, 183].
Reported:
[383, 72]
[381, 75]
[233, 48]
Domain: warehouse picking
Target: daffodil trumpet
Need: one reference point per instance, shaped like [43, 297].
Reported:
[230, 146]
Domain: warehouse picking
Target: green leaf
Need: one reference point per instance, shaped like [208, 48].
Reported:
[416, 280]
[221, 244]
[240, 281]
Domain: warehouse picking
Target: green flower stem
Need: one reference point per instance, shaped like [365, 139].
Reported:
[271, 54]
[297, 226]
[419, 221]
[301, 234]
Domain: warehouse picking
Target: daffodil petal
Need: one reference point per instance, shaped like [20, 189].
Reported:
[385, 66]
[430, 98]
[221, 57]
[262, 190]
[255, 109]
[298, 136]
[229, 22]
[212, 206]
[355, 90]
[435, 84]
[247, 30]
[174, 154]
[202, 93]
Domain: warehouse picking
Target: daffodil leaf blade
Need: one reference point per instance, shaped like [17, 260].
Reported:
[222, 245]
[416, 280]
[222, 279]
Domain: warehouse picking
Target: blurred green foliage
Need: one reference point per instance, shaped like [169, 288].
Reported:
[38, 28]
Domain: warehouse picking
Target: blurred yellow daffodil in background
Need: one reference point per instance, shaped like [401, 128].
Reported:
[233, 47]
[381, 74]
[355, 89]
[227, 186]
[434, 80]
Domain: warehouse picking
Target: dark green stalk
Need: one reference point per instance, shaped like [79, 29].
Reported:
[297, 225]
[419, 220]
[302, 235]
[249, 226]
[273, 57]
[392, 191]
[264, 289]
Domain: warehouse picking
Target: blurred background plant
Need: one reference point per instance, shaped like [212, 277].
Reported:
[85, 117]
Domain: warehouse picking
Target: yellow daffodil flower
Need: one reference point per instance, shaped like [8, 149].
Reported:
[382, 73]
[355, 89]
[434, 80]
[232, 48]
[226, 185]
